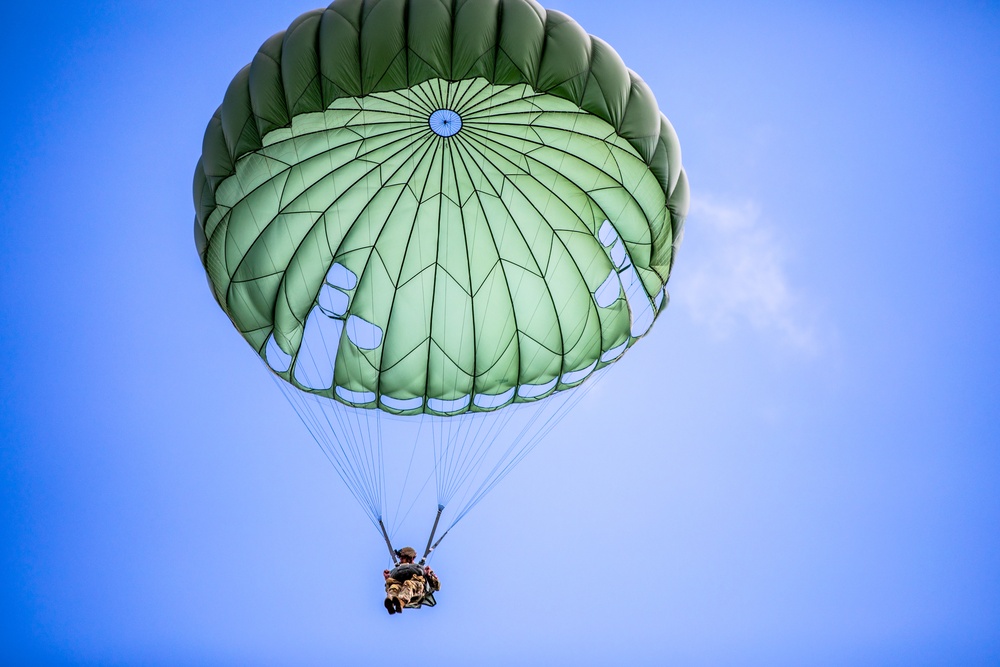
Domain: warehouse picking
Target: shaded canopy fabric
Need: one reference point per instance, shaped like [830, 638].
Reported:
[438, 206]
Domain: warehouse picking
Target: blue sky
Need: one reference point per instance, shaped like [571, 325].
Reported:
[799, 465]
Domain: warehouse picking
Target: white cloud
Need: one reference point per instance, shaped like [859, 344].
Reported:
[734, 276]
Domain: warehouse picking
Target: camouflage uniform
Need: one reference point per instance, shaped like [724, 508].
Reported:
[407, 591]
[411, 591]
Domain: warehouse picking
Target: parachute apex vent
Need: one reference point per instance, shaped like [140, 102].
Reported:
[445, 122]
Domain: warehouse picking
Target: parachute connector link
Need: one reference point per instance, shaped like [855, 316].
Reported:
[388, 543]
[430, 538]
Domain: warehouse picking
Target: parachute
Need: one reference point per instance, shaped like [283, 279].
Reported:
[435, 222]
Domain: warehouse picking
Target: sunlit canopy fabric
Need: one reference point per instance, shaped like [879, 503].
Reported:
[438, 206]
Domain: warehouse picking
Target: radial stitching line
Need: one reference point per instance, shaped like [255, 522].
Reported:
[486, 139]
[335, 200]
[512, 313]
[374, 251]
[402, 263]
[583, 279]
[283, 209]
[430, 325]
[538, 145]
[555, 310]
[488, 230]
[332, 203]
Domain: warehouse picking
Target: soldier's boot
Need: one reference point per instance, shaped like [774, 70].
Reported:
[389, 606]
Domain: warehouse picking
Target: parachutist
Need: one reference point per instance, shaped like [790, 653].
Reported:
[409, 585]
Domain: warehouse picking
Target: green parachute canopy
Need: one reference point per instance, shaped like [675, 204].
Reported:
[438, 207]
